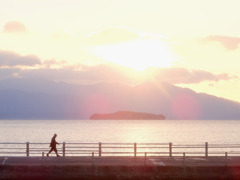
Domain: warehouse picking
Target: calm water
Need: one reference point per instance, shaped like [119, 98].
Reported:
[176, 131]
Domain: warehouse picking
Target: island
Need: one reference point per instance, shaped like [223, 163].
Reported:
[127, 115]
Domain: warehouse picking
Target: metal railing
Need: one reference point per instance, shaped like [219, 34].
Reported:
[121, 149]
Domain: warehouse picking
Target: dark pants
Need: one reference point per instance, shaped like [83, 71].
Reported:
[53, 149]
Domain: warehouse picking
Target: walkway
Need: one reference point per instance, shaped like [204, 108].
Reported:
[120, 161]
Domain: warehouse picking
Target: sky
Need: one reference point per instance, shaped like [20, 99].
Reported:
[189, 43]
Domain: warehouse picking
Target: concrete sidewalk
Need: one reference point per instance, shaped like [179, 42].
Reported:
[120, 161]
[119, 168]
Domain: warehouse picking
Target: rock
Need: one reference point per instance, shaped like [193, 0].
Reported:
[127, 115]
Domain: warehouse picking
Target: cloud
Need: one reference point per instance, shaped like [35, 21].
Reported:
[107, 72]
[53, 63]
[83, 74]
[185, 76]
[110, 36]
[8, 58]
[14, 27]
[111, 72]
[230, 43]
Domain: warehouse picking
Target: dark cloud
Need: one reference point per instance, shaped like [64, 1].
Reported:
[14, 27]
[230, 43]
[8, 58]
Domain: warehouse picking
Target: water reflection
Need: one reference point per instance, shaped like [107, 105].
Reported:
[139, 131]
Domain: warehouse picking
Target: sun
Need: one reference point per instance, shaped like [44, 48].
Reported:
[138, 54]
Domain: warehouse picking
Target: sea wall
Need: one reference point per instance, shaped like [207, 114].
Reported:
[117, 172]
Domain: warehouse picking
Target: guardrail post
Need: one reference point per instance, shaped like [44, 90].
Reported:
[135, 149]
[145, 159]
[27, 148]
[184, 155]
[206, 149]
[226, 157]
[100, 149]
[63, 149]
[170, 149]
[92, 158]
[42, 159]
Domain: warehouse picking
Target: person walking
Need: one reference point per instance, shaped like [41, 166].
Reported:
[53, 145]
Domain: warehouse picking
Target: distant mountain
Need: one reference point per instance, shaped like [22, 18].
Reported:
[127, 115]
[43, 99]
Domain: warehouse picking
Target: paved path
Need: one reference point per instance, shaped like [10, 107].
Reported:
[120, 161]
[119, 168]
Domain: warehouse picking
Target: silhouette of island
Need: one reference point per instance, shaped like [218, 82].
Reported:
[127, 115]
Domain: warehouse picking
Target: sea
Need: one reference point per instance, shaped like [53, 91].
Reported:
[121, 131]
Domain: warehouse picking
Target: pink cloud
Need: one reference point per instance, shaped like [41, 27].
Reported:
[120, 74]
[53, 62]
[185, 76]
[108, 72]
[14, 27]
[83, 73]
[230, 43]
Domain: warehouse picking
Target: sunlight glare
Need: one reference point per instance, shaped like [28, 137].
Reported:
[138, 54]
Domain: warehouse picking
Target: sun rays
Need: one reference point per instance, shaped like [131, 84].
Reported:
[138, 54]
